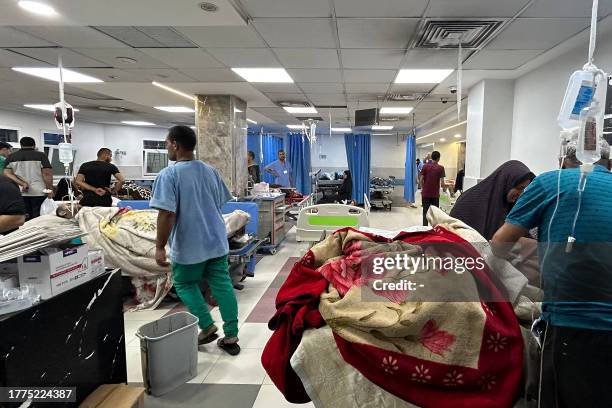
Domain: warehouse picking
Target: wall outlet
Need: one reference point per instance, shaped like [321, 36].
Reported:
[323, 156]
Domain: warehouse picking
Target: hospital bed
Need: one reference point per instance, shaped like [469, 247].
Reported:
[321, 219]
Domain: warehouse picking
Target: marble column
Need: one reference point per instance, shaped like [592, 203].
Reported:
[222, 138]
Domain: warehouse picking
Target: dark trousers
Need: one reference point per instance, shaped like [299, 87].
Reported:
[428, 202]
[576, 366]
[32, 206]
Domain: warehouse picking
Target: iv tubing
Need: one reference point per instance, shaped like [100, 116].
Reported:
[593, 38]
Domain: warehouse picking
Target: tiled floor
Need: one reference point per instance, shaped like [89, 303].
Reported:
[241, 382]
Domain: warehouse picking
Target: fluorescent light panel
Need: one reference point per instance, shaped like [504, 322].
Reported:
[53, 74]
[396, 110]
[442, 130]
[37, 7]
[49, 108]
[341, 129]
[174, 91]
[296, 126]
[300, 109]
[422, 76]
[382, 134]
[175, 109]
[137, 123]
[251, 121]
[443, 140]
[268, 75]
[382, 127]
[457, 136]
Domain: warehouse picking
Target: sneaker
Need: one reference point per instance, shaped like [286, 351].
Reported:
[208, 335]
[229, 345]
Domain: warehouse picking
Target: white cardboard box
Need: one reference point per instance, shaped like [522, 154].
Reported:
[53, 270]
[97, 266]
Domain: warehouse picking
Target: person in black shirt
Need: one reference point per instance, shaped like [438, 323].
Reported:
[12, 206]
[253, 168]
[94, 179]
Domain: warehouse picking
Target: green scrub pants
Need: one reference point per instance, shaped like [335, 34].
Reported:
[216, 272]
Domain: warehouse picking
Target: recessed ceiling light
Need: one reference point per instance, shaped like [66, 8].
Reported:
[442, 139]
[209, 7]
[422, 76]
[296, 126]
[341, 129]
[137, 123]
[236, 110]
[53, 74]
[175, 109]
[457, 136]
[174, 91]
[382, 134]
[269, 75]
[396, 110]
[37, 7]
[126, 60]
[382, 127]
[251, 121]
[49, 108]
[300, 109]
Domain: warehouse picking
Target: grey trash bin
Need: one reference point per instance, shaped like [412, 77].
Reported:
[168, 352]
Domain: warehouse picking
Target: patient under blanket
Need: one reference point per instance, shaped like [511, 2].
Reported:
[128, 240]
[422, 350]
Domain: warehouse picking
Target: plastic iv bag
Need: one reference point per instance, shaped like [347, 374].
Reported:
[580, 92]
[588, 149]
[65, 153]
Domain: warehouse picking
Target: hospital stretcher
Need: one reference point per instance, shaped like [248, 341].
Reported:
[319, 220]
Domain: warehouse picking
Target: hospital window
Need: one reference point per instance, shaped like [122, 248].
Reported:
[9, 135]
[154, 157]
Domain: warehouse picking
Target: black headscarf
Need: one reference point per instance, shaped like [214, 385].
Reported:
[484, 207]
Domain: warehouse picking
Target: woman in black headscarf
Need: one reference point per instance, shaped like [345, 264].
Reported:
[346, 189]
[485, 206]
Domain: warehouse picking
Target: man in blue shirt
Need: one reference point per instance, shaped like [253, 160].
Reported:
[577, 281]
[189, 197]
[281, 170]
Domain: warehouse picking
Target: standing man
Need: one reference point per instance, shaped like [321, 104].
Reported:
[5, 150]
[575, 258]
[32, 172]
[433, 180]
[419, 167]
[189, 197]
[94, 179]
[281, 170]
[12, 207]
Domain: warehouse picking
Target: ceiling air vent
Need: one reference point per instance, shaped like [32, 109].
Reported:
[388, 119]
[305, 118]
[442, 33]
[295, 104]
[400, 97]
[147, 37]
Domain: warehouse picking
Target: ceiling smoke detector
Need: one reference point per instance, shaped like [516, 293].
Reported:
[209, 7]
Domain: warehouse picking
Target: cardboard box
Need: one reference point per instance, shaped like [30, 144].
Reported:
[115, 396]
[53, 270]
[97, 266]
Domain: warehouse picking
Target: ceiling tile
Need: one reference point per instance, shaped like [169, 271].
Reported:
[537, 33]
[183, 57]
[367, 88]
[412, 88]
[73, 36]
[109, 57]
[284, 96]
[245, 57]
[287, 8]
[372, 59]
[501, 59]
[278, 88]
[369, 75]
[364, 97]
[223, 37]
[212, 75]
[327, 99]
[11, 38]
[429, 59]
[322, 88]
[70, 59]
[474, 8]
[167, 75]
[376, 33]
[380, 8]
[12, 59]
[296, 32]
[308, 57]
[315, 75]
[566, 8]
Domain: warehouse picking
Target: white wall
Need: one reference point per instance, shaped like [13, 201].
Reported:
[537, 100]
[88, 138]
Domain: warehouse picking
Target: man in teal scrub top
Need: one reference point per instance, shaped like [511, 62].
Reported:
[281, 170]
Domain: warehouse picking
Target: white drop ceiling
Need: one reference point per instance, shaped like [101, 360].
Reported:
[341, 53]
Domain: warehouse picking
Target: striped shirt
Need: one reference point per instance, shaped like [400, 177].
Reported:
[578, 284]
[27, 164]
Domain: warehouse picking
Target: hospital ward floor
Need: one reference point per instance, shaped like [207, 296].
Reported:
[241, 382]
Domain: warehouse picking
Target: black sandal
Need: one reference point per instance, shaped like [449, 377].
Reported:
[232, 349]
